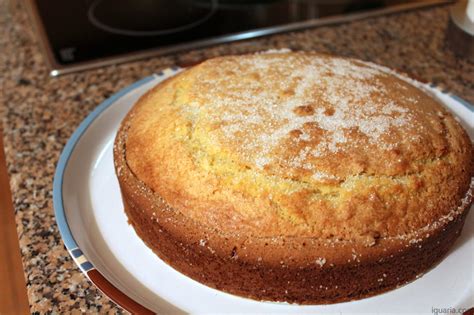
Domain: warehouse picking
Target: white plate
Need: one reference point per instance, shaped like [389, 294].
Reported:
[94, 227]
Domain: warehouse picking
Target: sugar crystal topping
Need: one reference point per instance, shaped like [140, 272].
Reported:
[257, 102]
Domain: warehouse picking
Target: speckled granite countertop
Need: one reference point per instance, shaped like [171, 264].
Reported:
[39, 113]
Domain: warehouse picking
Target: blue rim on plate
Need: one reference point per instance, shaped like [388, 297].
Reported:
[61, 220]
[79, 258]
[84, 264]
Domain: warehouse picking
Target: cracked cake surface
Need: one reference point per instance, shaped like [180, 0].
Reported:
[295, 148]
[302, 145]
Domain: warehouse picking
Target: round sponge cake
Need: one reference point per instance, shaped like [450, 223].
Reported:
[295, 177]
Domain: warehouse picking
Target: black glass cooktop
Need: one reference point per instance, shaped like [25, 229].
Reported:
[83, 33]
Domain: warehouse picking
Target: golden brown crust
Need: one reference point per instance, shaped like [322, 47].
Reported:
[378, 194]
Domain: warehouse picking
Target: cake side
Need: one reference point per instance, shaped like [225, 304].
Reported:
[293, 269]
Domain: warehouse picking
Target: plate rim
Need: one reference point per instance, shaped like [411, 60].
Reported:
[85, 266]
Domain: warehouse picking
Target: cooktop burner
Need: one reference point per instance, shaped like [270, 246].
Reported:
[131, 18]
[80, 34]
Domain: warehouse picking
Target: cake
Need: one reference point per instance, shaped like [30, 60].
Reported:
[294, 176]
